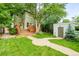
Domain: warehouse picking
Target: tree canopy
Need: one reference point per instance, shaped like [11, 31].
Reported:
[52, 14]
[49, 13]
[8, 10]
[76, 19]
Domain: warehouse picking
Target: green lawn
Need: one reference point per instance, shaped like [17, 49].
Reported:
[24, 47]
[70, 44]
[43, 35]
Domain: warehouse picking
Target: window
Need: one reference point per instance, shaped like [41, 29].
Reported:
[27, 24]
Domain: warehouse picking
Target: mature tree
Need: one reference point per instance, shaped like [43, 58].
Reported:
[70, 34]
[4, 15]
[40, 12]
[76, 19]
[16, 11]
[52, 14]
[45, 11]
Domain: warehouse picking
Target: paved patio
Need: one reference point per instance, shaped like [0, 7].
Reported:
[8, 36]
[22, 33]
[26, 33]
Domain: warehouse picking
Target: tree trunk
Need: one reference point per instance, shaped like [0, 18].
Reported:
[38, 28]
[3, 30]
[18, 28]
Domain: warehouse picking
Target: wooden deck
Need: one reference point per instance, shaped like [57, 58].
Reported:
[26, 32]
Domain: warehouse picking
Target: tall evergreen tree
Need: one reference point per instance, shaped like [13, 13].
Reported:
[70, 34]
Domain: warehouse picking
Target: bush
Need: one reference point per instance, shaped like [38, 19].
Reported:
[12, 31]
[77, 28]
[70, 34]
[77, 38]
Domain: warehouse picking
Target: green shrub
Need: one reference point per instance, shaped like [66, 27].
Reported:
[70, 34]
[77, 28]
[12, 31]
[77, 38]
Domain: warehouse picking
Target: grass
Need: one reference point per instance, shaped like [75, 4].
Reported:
[43, 35]
[24, 47]
[70, 44]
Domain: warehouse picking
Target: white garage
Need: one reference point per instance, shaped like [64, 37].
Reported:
[60, 29]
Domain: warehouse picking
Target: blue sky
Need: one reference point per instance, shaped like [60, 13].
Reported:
[72, 10]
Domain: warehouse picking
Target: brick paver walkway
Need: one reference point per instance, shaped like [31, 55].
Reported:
[43, 42]
[8, 36]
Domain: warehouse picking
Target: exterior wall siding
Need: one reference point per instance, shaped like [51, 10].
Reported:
[65, 27]
[28, 19]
